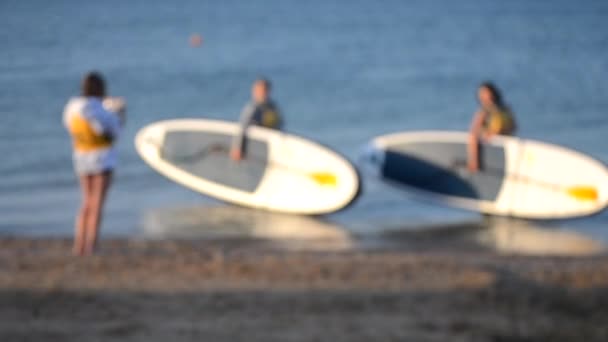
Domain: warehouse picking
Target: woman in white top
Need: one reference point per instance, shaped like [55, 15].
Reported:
[94, 123]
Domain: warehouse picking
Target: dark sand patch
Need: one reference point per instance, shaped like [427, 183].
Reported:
[192, 291]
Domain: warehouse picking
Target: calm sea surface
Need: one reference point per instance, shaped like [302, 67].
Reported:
[344, 72]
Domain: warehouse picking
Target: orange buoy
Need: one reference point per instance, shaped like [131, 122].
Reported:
[196, 40]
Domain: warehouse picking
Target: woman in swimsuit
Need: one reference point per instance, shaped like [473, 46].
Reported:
[94, 123]
[494, 117]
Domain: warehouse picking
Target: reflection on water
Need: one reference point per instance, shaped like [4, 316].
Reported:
[524, 237]
[504, 235]
[225, 222]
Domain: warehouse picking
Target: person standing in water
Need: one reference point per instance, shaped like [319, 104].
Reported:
[261, 111]
[94, 123]
[494, 117]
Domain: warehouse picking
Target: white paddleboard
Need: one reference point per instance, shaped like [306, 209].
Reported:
[518, 177]
[280, 172]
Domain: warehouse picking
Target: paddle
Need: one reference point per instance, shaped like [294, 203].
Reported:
[580, 192]
[320, 177]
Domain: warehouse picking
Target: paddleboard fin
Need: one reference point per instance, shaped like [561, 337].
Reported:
[583, 193]
[324, 178]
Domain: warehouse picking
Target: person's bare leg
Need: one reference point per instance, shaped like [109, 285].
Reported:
[82, 216]
[100, 184]
[473, 153]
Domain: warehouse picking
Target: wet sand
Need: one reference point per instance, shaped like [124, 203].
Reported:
[142, 290]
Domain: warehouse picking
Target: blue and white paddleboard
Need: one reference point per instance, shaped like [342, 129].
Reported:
[518, 177]
[280, 172]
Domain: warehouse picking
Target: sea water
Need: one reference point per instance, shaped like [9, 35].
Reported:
[343, 72]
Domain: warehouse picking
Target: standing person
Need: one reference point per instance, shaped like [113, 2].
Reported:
[261, 111]
[494, 117]
[94, 123]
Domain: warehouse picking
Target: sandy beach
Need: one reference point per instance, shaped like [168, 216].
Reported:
[144, 290]
[240, 256]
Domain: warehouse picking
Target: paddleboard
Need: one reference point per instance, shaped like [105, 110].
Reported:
[280, 172]
[518, 177]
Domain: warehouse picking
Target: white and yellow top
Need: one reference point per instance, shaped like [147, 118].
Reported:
[93, 129]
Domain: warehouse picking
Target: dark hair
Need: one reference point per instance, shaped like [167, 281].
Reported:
[496, 94]
[264, 81]
[93, 85]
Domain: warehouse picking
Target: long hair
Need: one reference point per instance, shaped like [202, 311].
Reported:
[93, 85]
[496, 94]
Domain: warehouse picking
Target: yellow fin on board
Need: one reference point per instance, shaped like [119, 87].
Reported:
[583, 193]
[324, 178]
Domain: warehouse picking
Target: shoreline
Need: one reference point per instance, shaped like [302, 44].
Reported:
[139, 290]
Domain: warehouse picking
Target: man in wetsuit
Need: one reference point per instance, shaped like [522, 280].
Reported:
[261, 111]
